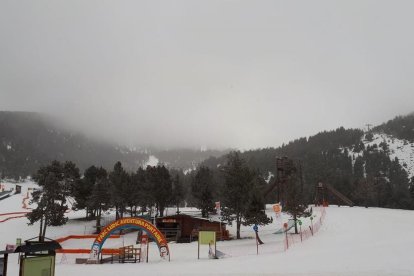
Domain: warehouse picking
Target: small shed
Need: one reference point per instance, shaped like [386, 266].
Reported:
[184, 228]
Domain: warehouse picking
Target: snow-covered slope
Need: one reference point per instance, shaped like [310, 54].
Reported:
[397, 148]
[352, 241]
[401, 149]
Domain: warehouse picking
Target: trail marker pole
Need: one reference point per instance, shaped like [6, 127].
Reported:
[148, 251]
[256, 229]
[311, 218]
[285, 225]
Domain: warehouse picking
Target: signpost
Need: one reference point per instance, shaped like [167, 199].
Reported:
[144, 247]
[207, 237]
[311, 219]
[256, 229]
[218, 210]
[3, 265]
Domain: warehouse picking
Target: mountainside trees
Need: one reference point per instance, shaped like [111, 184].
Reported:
[341, 159]
[401, 127]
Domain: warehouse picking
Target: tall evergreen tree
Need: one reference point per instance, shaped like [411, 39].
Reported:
[144, 192]
[178, 191]
[161, 186]
[56, 182]
[82, 190]
[236, 192]
[119, 180]
[255, 213]
[295, 204]
[202, 189]
[100, 199]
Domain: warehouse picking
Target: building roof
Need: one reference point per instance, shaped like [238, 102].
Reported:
[192, 217]
[38, 247]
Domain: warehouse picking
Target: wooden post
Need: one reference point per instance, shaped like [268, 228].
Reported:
[21, 265]
[6, 257]
[311, 218]
[285, 225]
[198, 247]
[148, 250]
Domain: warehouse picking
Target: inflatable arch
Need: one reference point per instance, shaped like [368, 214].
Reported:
[136, 223]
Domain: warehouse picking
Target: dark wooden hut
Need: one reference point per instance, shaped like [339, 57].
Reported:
[185, 228]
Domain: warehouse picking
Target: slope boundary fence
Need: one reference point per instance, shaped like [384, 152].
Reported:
[307, 232]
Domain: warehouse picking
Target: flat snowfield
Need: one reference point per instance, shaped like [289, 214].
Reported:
[352, 241]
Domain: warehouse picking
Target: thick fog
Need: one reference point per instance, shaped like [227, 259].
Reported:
[209, 73]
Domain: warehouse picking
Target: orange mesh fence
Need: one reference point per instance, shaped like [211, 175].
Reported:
[305, 232]
[24, 204]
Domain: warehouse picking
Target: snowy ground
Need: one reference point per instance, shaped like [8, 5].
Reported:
[352, 241]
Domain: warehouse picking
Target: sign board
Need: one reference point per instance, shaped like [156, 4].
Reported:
[18, 241]
[207, 237]
[10, 247]
[255, 228]
[38, 266]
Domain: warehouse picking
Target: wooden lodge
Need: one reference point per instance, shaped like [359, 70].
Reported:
[185, 228]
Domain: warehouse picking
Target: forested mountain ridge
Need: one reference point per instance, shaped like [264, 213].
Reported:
[374, 168]
[401, 127]
[29, 140]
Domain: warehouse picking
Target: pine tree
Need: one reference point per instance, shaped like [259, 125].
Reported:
[202, 190]
[364, 192]
[56, 182]
[118, 180]
[295, 204]
[144, 192]
[161, 186]
[236, 192]
[255, 213]
[100, 199]
[82, 190]
[178, 191]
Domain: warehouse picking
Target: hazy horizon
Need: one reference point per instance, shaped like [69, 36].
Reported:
[215, 74]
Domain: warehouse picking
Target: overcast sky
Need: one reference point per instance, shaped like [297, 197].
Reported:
[209, 73]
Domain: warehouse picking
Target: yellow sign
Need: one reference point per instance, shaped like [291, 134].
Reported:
[207, 237]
